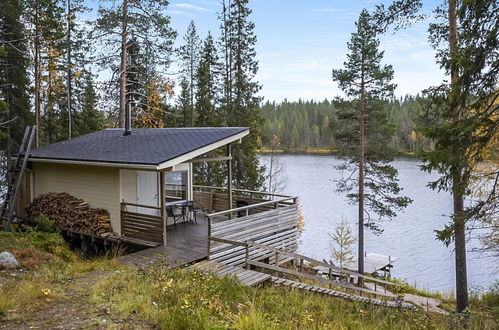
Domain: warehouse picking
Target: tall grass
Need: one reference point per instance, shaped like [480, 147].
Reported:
[184, 299]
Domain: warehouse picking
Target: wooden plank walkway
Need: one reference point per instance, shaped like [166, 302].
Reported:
[186, 243]
[339, 294]
[243, 276]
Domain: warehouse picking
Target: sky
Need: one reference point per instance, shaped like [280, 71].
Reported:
[301, 41]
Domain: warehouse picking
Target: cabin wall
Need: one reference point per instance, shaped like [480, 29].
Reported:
[128, 188]
[97, 185]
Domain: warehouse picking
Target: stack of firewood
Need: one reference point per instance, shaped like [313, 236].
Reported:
[71, 213]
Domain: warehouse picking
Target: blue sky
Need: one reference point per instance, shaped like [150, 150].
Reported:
[300, 41]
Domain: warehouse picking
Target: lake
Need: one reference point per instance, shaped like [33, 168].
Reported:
[424, 261]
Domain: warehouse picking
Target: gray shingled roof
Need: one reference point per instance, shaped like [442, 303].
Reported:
[149, 146]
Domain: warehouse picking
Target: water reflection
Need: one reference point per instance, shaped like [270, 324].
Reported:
[423, 260]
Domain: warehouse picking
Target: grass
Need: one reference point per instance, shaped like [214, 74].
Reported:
[185, 299]
[49, 266]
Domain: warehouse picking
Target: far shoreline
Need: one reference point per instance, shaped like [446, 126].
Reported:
[324, 152]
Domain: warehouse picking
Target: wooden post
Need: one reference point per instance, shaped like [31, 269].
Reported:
[229, 179]
[301, 265]
[209, 238]
[247, 256]
[164, 216]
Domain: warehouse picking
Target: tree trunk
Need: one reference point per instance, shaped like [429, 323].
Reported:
[69, 71]
[37, 77]
[362, 108]
[191, 72]
[124, 26]
[457, 189]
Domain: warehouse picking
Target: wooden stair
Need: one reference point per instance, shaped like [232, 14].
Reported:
[339, 294]
[243, 276]
[7, 213]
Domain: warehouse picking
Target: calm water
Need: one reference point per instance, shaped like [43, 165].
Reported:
[423, 261]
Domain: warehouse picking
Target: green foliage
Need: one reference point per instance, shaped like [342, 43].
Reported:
[183, 102]
[312, 123]
[33, 246]
[490, 299]
[189, 54]
[185, 299]
[89, 119]
[239, 101]
[14, 82]
[368, 84]
[342, 245]
[43, 223]
[463, 136]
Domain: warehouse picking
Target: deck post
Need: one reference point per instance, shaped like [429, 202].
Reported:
[229, 180]
[247, 256]
[209, 238]
[164, 217]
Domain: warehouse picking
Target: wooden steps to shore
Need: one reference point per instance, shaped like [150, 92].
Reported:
[243, 276]
[339, 294]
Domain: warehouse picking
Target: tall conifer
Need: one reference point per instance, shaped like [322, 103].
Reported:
[240, 102]
[363, 134]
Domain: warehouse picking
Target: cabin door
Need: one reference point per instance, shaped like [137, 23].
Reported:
[147, 191]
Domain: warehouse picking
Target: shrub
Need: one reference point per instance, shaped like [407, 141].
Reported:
[43, 223]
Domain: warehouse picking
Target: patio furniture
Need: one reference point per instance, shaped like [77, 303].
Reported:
[170, 212]
[191, 208]
[241, 203]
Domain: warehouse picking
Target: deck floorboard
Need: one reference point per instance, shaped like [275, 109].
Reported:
[186, 243]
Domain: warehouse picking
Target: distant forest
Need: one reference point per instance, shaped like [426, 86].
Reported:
[306, 125]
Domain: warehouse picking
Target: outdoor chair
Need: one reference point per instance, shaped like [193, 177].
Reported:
[191, 209]
[240, 203]
[170, 212]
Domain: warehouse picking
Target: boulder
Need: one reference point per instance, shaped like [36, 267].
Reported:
[8, 261]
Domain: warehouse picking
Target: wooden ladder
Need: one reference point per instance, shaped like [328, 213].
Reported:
[16, 179]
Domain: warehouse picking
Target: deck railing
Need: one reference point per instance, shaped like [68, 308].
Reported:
[141, 226]
[275, 226]
[216, 199]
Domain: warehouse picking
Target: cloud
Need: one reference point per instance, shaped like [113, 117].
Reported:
[181, 13]
[188, 6]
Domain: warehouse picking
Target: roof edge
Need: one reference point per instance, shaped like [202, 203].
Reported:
[207, 148]
[161, 166]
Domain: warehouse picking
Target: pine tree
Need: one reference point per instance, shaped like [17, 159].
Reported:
[463, 121]
[76, 49]
[208, 114]
[45, 30]
[189, 57]
[88, 119]
[14, 99]
[14, 80]
[144, 22]
[206, 82]
[363, 134]
[342, 244]
[240, 102]
[184, 102]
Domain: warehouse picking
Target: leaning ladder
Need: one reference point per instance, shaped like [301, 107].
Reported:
[15, 179]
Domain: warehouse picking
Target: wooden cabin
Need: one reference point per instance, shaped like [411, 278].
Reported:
[135, 175]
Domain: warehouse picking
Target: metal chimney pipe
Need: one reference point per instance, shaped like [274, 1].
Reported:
[128, 119]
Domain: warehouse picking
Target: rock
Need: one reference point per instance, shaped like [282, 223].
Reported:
[8, 261]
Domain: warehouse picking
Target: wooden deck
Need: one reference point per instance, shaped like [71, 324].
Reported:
[243, 276]
[186, 243]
